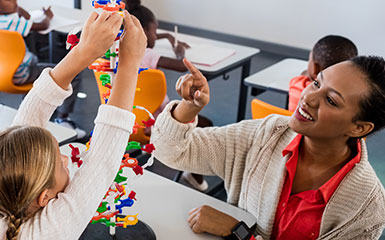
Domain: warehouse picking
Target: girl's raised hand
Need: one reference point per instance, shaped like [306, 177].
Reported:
[133, 42]
[99, 33]
[193, 87]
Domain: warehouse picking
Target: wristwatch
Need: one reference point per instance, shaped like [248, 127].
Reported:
[240, 232]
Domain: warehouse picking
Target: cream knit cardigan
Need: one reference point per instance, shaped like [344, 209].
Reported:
[248, 157]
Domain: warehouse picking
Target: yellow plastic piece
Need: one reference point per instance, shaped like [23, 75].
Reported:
[128, 220]
[261, 109]
[12, 51]
[153, 89]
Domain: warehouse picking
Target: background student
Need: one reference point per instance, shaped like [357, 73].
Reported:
[303, 177]
[37, 199]
[15, 18]
[328, 51]
[153, 60]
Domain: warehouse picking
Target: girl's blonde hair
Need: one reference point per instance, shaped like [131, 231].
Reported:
[27, 162]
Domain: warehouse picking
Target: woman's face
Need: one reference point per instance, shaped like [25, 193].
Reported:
[328, 105]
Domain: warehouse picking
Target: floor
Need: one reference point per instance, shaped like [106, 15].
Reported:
[221, 110]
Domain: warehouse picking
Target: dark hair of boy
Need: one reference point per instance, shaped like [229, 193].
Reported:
[333, 49]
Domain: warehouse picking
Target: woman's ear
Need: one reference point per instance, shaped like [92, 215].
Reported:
[43, 198]
[361, 128]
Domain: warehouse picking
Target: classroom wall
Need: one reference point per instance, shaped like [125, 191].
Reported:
[295, 23]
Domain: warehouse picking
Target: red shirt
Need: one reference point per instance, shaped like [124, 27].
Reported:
[299, 215]
[296, 86]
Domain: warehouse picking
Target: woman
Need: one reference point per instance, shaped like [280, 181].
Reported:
[303, 177]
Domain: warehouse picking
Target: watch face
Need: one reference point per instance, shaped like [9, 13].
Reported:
[242, 232]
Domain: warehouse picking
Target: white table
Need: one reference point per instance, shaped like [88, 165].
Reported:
[62, 134]
[63, 13]
[276, 77]
[164, 205]
[241, 58]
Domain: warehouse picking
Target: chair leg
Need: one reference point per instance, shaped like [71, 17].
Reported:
[177, 176]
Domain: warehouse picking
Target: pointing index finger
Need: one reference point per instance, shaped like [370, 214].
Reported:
[192, 69]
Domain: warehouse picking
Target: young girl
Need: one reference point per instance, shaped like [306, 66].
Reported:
[37, 200]
[303, 177]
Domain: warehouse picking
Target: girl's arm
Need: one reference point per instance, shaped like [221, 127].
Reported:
[172, 64]
[23, 13]
[44, 24]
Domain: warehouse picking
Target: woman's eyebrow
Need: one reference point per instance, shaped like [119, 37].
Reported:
[331, 89]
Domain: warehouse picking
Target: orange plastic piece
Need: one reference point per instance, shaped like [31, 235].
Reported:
[261, 109]
[12, 51]
[128, 162]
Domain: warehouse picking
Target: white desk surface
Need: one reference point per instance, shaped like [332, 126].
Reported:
[64, 12]
[61, 133]
[164, 205]
[277, 76]
[241, 52]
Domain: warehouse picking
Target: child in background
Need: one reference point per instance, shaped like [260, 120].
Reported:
[154, 60]
[15, 18]
[150, 24]
[37, 199]
[327, 51]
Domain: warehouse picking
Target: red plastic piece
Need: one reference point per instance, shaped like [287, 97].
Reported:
[101, 67]
[149, 123]
[73, 40]
[138, 170]
[148, 148]
[132, 195]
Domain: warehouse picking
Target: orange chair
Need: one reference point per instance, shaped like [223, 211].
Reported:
[12, 51]
[151, 91]
[261, 109]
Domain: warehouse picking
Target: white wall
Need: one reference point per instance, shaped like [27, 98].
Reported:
[297, 23]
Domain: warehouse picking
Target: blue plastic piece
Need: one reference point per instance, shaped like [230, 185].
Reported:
[141, 70]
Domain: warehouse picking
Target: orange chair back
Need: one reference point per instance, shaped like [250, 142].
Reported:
[12, 51]
[261, 109]
[151, 91]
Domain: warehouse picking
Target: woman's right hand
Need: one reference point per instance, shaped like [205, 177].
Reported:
[99, 33]
[193, 87]
[195, 93]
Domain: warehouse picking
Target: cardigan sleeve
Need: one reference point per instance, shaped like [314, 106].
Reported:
[41, 101]
[209, 151]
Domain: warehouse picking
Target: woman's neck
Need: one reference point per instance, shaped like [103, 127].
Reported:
[321, 152]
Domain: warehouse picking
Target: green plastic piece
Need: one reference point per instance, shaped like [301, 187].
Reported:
[103, 208]
[119, 178]
[105, 221]
[133, 145]
[109, 54]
